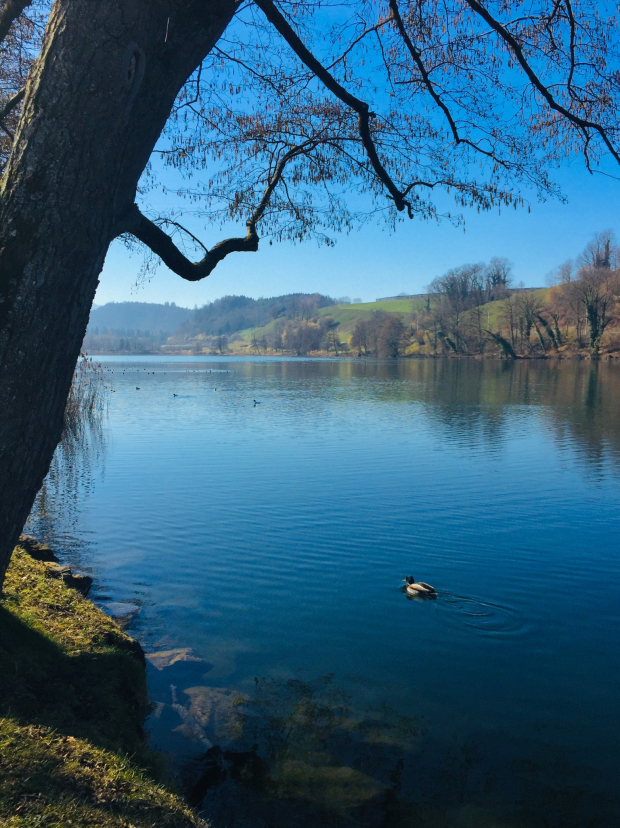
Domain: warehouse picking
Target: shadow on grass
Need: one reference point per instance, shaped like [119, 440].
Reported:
[72, 701]
[99, 696]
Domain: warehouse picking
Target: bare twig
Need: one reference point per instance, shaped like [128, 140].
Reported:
[515, 46]
[358, 39]
[277, 19]
[10, 105]
[152, 235]
[170, 223]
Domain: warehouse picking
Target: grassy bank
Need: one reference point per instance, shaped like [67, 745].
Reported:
[72, 701]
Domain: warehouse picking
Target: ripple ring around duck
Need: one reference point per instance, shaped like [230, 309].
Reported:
[483, 616]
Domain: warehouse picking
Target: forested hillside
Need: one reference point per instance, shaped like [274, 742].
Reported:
[132, 326]
[231, 314]
[143, 316]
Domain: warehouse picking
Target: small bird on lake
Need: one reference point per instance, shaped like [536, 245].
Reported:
[419, 588]
[256, 402]
[137, 389]
[175, 395]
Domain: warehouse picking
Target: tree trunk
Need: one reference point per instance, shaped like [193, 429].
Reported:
[593, 321]
[97, 100]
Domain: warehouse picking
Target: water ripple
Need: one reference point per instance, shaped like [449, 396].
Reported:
[486, 617]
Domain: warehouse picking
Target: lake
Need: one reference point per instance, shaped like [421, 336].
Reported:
[260, 549]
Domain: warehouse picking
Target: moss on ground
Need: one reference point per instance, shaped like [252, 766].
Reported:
[72, 701]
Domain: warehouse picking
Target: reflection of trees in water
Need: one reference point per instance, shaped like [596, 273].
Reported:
[482, 403]
[475, 403]
[469, 400]
[77, 457]
[583, 409]
[298, 752]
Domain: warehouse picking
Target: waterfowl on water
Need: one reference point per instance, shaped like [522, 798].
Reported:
[419, 587]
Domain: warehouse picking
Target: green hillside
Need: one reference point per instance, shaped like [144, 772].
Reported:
[494, 312]
[345, 316]
[497, 309]
[456, 320]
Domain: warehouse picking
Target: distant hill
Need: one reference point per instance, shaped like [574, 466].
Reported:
[137, 318]
[231, 314]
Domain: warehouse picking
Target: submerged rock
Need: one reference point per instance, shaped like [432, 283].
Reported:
[166, 658]
[120, 611]
[219, 711]
[82, 583]
[36, 550]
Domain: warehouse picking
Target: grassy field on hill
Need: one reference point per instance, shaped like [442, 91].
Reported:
[494, 313]
[541, 322]
[345, 316]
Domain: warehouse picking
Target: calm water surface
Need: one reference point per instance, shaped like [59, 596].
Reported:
[272, 540]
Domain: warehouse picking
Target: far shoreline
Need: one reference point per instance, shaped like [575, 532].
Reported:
[556, 357]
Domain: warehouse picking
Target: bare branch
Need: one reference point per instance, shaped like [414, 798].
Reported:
[417, 58]
[361, 107]
[162, 245]
[248, 68]
[359, 39]
[512, 42]
[151, 234]
[12, 103]
[9, 15]
[571, 18]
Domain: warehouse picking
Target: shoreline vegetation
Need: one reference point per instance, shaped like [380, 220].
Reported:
[471, 311]
[72, 702]
[325, 355]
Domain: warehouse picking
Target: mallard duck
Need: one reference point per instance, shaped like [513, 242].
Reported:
[418, 588]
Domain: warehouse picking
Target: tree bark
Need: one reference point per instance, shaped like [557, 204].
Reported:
[96, 102]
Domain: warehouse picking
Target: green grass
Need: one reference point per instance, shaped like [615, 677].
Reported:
[345, 315]
[493, 312]
[72, 701]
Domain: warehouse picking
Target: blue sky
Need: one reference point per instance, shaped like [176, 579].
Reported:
[373, 263]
